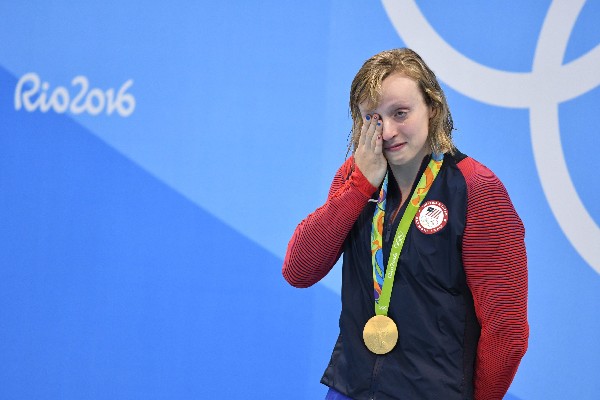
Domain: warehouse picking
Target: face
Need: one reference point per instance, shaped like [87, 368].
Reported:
[405, 118]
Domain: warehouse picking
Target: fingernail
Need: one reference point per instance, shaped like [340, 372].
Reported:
[368, 117]
[375, 116]
[378, 123]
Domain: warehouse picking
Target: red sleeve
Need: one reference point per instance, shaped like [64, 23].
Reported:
[495, 264]
[317, 242]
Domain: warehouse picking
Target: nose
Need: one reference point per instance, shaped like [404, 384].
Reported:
[388, 131]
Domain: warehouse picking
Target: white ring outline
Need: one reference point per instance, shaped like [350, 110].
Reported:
[524, 90]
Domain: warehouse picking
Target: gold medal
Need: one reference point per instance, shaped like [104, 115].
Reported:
[380, 334]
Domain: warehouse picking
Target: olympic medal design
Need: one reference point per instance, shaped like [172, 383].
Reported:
[380, 334]
[431, 217]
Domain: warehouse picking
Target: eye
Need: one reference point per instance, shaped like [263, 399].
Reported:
[400, 114]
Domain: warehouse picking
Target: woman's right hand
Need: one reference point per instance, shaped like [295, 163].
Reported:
[369, 156]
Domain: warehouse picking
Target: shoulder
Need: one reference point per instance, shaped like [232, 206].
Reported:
[479, 178]
[488, 201]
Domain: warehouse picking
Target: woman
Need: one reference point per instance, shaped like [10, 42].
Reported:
[411, 213]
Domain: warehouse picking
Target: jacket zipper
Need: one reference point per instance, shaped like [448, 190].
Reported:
[376, 369]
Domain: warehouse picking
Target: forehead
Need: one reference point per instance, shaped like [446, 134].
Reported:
[396, 89]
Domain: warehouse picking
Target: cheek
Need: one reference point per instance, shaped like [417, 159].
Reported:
[418, 130]
[415, 127]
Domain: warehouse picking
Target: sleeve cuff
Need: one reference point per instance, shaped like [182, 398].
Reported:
[358, 180]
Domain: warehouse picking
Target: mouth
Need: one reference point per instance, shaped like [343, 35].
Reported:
[395, 147]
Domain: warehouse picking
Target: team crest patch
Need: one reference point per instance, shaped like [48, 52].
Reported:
[431, 217]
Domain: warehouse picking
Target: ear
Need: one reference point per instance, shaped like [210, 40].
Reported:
[432, 112]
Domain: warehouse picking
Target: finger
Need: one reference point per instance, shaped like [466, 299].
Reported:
[363, 130]
[370, 131]
[378, 145]
[377, 129]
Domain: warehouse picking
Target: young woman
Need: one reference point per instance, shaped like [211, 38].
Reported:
[409, 212]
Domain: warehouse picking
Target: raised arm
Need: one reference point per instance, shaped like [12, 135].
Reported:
[317, 241]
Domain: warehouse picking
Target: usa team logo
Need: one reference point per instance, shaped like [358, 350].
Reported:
[431, 217]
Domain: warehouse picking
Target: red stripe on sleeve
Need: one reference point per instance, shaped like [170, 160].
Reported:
[495, 264]
[317, 242]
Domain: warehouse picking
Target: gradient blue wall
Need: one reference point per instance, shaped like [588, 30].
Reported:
[155, 159]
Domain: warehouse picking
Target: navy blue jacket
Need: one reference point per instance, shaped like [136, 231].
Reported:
[431, 304]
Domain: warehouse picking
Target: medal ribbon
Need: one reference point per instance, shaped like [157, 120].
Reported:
[383, 281]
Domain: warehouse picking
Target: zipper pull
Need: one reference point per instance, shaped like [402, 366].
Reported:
[388, 231]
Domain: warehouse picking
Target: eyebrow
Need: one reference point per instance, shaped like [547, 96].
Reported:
[392, 107]
[396, 105]
[403, 104]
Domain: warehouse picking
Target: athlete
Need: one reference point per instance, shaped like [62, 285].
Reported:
[434, 276]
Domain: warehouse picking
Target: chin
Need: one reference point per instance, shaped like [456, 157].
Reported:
[398, 161]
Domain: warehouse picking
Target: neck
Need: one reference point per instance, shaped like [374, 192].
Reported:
[405, 177]
[406, 174]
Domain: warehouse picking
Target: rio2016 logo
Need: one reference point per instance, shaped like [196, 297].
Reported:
[32, 94]
[541, 90]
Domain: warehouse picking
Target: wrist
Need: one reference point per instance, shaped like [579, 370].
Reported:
[362, 183]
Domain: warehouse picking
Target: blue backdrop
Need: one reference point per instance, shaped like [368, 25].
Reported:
[156, 158]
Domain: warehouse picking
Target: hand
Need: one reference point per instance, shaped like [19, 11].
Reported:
[369, 156]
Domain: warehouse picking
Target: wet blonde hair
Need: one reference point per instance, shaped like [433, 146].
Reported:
[366, 87]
